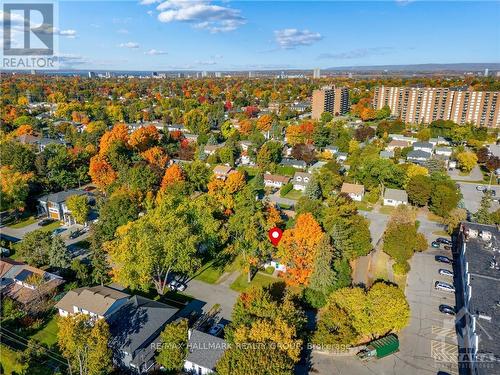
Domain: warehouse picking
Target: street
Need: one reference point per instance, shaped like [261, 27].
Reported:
[472, 196]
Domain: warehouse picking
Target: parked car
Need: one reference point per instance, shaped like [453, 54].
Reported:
[45, 222]
[440, 285]
[435, 244]
[216, 330]
[443, 240]
[176, 286]
[75, 234]
[448, 310]
[443, 259]
[57, 231]
[445, 272]
[480, 188]
[491, 191]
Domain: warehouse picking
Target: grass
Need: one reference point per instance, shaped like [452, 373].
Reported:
[401, 281]
[260, 279]
[433, 217]
[364, 206]
[294, 194]
[379, 266]
[10, 361]
[286, 170]
[48, 334]
[51, 226]
[441, 233]
[24, 222]
[210, 272]
[387, 210]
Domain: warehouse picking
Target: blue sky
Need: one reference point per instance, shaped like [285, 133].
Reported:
[231, 35]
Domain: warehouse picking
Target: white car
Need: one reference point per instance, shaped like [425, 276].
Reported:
[480, 188]
[445, 272]
[176, 286]
[216, 329]
[439, 285]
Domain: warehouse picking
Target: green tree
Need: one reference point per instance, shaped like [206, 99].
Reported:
[41, 248]
[79, 207]
[58, 255]
[467, 161]
[174, 349]
[454, 218]
[313, 190]
[334, 327]
[419, 190]
[444, 198]
[401, 240]
[85, 344]
[259, 361]
[196, 122]
[483, 215]
[269, 153]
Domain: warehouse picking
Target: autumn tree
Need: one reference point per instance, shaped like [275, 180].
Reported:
[298, 248]
[14, 188]
[454, 218]
[119, 134]
[79, 207]
[264, 122]
[156, 157]
[174, 350]
[173, 176]
[144, 138]
[419, 189]
[101, 172]
[84, 343]
[196, 122]
[467, 161]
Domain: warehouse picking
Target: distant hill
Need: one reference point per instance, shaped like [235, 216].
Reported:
[461, 67]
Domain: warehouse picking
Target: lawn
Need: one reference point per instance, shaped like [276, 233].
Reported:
[9, 359]
[210, 272]
[48, 334]
[364, 206]
[433, 217]
[286, 170]
[379, 266]
[24, 222]
[294, 194]
[387, 210]
[260, 279]
[51, 226]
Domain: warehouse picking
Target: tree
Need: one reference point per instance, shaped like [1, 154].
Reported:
[118, 134]
[174, 349]
[467, 161]
[419, 189]
[196, 122]
[79, 207]
[101, 172]
[269, 153]
[313, 191]
[144, 138]
[84, 343]
[41, 248]
[444, 198]
[58, 255]
[173, 176]
[454, 218]
[415, 170]
[259, 361]
[14, 188]
[264, 122]
[323, 276]
[298, 248]
[156, 156]
[304, 152]
[334, 327]
[401, 240]
[483, 215]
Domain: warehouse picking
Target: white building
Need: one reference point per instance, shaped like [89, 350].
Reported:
[395, 197]
[301, 180]
[355, 191]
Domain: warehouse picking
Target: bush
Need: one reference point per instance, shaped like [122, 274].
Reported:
[401, 268]
[373, 195]
[314, 298]
[286, 189]
[269, 270]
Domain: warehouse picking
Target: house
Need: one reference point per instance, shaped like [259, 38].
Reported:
[97, 301]
[245, 145]
[212, 149]
[223, 171]
[280, 267]
[204, 352]
[386, 154]
[288, 162]
[331, 149]
[395, 197]
[423, 146]
[316, 166]
[134, 332]
[396, 144]
[274, 180]
[418, 156]
[445, 151]
[342, 156]
[301, 180]
[439, 141]
[54, 205]
[355, 191]
[38, 142]
[400, 137]
[25, 283]
[192, 138]
[177, 127]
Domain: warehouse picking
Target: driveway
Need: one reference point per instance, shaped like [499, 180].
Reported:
[474, 175]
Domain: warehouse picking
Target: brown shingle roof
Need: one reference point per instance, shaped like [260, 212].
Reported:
[276, 178]
[97, 299]
[352, 188]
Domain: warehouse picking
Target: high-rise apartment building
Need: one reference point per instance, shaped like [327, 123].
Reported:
[334, 100]
[425, 105]
[316, 73]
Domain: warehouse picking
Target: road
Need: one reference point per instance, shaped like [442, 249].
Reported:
[472, 197]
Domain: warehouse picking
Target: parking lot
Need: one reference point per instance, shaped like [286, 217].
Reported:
[428, 344]
[472, 197]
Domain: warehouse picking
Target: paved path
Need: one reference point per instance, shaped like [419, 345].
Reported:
[472, 197]
[474, 175]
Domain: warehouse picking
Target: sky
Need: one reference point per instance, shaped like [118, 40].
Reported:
[255, 35]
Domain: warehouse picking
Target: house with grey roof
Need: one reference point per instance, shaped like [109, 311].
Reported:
[38, 142]
[301, 180]
[54, 205]
[135, 332]
[386, 154]
[342, 156]
[423, 146]
[204, 352]
[418, 156]
[395, 197]
[288, 162]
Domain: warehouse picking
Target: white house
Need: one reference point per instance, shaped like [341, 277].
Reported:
[400, 137]
[355, 191]
[274, 180]
[204, 352]
[280, 267]
[301, 180]
[342, 156]
[395, 143]
[423, 146]
[395, 197]
[445, 151]
[418, 156]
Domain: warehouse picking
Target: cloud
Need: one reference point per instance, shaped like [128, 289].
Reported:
[206, 62]
[129, 45]
[155, 52]
[150, 12]
[292, 38]
[201, 14]
[148, 2]
[122, 31]
[356, 53]
[67, 60]
[70, 33]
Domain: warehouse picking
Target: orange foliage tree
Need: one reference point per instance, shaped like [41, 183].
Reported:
[23, 129]
[223, 191]
[101, 172]
[246, 127]
[156, 156]
[264, 122]
[298, 248]
[173, 175]
[119, 133]
[144, 137]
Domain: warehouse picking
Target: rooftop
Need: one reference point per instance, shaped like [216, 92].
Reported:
[352, 188]
[418, 154]
[396, 195]
[61, 196]
[204, 349]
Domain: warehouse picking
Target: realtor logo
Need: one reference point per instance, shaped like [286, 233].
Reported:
[29, 35]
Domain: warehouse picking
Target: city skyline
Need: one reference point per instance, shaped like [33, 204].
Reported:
[208, 35]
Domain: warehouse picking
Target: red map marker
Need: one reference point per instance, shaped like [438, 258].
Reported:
[275, 235]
